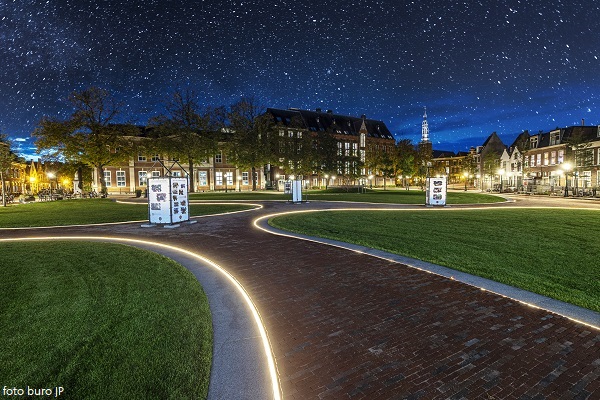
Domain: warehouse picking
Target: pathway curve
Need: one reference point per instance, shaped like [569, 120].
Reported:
[347, 325]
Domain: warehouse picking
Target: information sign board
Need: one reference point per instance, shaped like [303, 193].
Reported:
[436, 191]
[168, 200]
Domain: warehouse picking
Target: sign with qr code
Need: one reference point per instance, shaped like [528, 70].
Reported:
[436, 191]
[168, 201]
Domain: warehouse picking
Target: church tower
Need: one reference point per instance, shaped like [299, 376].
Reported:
[425, 147]
[425, 129]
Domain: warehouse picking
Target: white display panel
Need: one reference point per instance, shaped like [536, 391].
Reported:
[436, 191]
[297, 191]
[168, 200]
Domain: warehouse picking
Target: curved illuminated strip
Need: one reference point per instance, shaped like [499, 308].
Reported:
[258, 221]
[261, 328]
[256, 207]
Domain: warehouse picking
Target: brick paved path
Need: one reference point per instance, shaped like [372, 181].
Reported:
[346, 325]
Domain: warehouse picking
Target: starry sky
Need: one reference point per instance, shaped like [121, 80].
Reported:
[478, 66]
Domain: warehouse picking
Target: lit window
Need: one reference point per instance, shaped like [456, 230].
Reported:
[107, 178]
[121, 179]
[219, 158]
[245, 178]
[202, 178]
[229, 177]
[219, 178]
[142, 178]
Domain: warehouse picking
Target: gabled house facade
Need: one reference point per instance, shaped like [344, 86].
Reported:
[562, 157]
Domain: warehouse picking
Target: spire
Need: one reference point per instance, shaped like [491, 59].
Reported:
[425, 129]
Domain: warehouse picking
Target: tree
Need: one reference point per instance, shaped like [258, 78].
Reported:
[469, 166]
[326, 155]
[405, 154]
[251, 134]
[489, 165]
[6, 160]
[186, 131]
[295, 149]
[92, 135]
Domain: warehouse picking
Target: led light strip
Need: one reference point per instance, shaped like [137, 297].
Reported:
[277, 395]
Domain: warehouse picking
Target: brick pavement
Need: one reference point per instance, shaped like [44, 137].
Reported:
[346, 325]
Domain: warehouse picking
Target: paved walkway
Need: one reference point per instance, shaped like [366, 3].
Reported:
[348, 325]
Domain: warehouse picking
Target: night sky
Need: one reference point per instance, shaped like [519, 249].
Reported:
[478, 66]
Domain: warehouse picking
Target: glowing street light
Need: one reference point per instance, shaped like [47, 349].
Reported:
[501, 172]
[566, 167]
[50, 176]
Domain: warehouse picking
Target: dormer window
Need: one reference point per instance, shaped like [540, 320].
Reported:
[533, 141]
[554, 138]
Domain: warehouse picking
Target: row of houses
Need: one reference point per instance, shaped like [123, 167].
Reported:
[545, 162]
[31, 177]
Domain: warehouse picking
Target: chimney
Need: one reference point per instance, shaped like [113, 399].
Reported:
[318, 110]
[582, 122]
[363, 116]
[329, 111]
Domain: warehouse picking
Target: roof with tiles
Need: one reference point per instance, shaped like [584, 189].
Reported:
[318, 120]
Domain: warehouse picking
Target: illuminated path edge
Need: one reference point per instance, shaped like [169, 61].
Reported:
[243, 364]
[570, 311]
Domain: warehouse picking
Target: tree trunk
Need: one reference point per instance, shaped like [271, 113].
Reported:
[3, 191]
[101, 179]
[80, 179]
[192, 187]
[253, 179]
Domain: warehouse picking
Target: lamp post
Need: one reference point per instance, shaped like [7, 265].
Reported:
[466, 175]
[566, 167]
[326, 181]
[500, 172]
[370, 181]
[50, 176]
[239, 181]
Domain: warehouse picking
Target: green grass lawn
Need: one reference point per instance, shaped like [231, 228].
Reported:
[393, 196]
[90, 211]
[550, 252]
[102, 321]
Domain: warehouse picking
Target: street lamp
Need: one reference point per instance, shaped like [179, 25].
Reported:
[566, 167]
[370, 181]
[500, 172]
[239, 180]
[466, 175]
[326, 181]
[50, 176]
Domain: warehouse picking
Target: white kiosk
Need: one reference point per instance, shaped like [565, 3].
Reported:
[297, 191]
[168, 200]
[436, 190]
